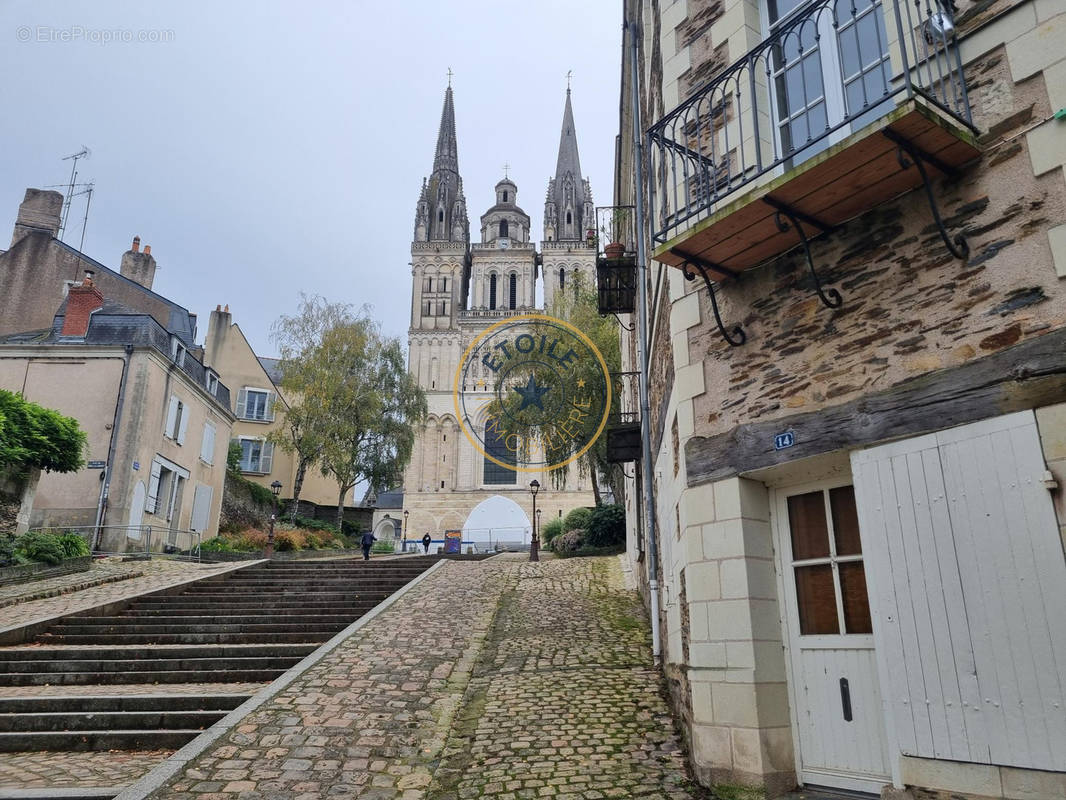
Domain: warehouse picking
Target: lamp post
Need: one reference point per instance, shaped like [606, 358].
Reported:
[405, 515]
[534, 544]
[537, 518]
[275, 489]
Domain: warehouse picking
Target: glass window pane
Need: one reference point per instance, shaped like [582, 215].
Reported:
[845, 521]
[780, 8]
[812, 78]
[856, 602]
[806, 521]
[816, 599]
[817, 121]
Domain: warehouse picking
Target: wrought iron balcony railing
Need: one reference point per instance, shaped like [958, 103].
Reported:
[616, 271]
[827, 69]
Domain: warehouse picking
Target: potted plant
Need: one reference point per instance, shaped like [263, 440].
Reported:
[614, 230]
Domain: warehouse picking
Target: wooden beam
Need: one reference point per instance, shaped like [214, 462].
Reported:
[1028, 375]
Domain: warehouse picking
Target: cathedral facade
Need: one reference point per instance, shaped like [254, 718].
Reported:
[459, 288]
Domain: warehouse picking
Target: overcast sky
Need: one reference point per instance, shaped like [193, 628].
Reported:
[267, 148]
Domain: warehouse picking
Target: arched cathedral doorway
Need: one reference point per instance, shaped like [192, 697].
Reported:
[497, 522]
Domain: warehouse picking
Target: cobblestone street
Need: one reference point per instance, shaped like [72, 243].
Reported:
[498, 679]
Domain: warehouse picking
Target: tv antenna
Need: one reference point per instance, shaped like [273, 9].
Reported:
[85, 152]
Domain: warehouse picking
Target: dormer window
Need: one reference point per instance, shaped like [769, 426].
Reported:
[177, 351]
[212, 382]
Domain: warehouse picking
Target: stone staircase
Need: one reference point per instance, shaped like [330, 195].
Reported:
[244, 627]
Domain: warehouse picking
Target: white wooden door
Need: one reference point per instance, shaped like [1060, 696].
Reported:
[837, 711]
[967, 570]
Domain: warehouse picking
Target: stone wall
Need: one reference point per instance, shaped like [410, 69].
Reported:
[909, 306]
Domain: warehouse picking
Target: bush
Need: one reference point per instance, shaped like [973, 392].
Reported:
[337, 544]
[218, 544]
[315, 525]
[549, 530]
[311, 541]
[42, 547]
[251, 540]
[383, 546]
[569, 543]
[577, 519]
[606, 526]
[286, 541]
[7, 548]
[73, 546]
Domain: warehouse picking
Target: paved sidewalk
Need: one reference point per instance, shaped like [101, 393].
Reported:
[100, 572]
[498, 679]
[154, 574]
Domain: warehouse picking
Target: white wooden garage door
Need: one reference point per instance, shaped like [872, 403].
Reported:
[967, 582]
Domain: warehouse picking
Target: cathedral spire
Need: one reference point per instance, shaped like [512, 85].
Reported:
[447, 156]
[568, 208]
[441, 212]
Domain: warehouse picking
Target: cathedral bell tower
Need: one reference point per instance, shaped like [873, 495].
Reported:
[569, 249]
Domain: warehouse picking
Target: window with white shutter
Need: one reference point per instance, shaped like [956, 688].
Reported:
[152, 502]
[183, 423]
[172, 416]
[267, 459]
[207, 444]
[242, 402]
[201, 508]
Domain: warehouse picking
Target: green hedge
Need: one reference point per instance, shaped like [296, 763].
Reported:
[577, 519]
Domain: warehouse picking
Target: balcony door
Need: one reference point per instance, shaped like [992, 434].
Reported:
[829, 71]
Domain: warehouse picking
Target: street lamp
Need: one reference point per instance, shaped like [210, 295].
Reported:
[275, 489]
[534, 544]
[405, 515]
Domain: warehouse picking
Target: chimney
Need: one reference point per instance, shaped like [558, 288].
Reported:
[138, 266]
[39, 213]
[82, 300]
[217, 328]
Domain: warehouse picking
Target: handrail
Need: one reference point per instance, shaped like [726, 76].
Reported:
[834, 62]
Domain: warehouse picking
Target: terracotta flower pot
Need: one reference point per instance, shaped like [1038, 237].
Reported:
[614, 250]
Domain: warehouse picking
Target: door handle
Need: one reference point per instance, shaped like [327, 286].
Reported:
[845, 699]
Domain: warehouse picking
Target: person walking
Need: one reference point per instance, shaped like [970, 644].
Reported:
[366, 543]
[426, 541]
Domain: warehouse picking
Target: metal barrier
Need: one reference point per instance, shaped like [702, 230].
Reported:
[127, 540]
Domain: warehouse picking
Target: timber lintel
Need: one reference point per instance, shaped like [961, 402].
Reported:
[1028, 375]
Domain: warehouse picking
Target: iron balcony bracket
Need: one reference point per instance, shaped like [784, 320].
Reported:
[909, 155]
[737, 337]
[618, 319]
[830, 297]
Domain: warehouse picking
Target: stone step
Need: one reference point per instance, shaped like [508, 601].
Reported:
[116, 678]
[193, 608]
[218, 597]
[202, 621]
[84, 741]
[107, 667]
[184, 638]
[54, 721]
[75, 629]
[113, 702]
[138, 653]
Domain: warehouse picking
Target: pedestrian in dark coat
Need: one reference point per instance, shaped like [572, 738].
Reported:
[426, 541]
[366, 543]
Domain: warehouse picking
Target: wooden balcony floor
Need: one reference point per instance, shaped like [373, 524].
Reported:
[851, 177]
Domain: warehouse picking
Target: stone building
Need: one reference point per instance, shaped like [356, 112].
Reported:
[856, 217]
[259, 407]
[157, 421]
[460, 288]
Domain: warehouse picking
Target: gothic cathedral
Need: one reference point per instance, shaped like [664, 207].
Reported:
[458, 289]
